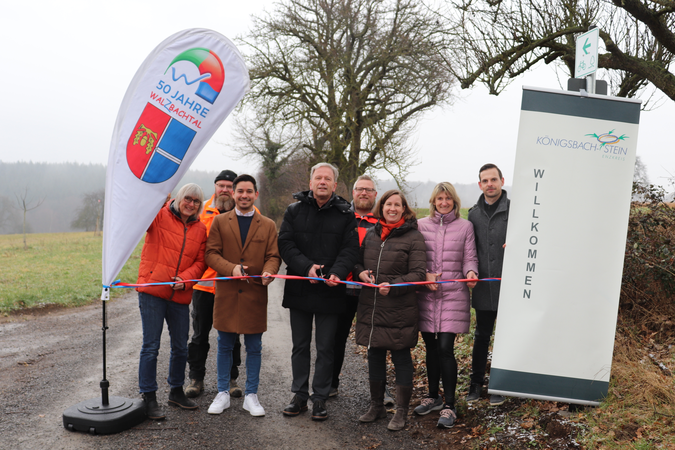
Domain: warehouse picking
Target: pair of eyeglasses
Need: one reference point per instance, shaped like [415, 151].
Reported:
[368, 190]
[192, 200]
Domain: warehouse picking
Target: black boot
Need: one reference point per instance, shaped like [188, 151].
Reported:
[319, 411]
[296, 406]
[177, 398]
[152, 409]
[377, 410]
[474, 392]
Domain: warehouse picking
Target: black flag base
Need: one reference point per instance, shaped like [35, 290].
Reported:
[93, 417]
[105, 415]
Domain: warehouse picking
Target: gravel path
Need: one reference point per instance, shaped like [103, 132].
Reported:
[49, 362]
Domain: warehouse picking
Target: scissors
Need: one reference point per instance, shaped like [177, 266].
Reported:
[320, 273]
[243, 272]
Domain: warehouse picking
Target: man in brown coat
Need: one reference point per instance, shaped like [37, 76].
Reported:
[241, 242]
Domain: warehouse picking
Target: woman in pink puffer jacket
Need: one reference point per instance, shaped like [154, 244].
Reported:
[445, 308]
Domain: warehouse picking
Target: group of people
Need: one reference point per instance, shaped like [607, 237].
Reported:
[191, 240]
[322, 236]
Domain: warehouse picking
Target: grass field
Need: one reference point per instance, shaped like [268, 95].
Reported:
[57, 268]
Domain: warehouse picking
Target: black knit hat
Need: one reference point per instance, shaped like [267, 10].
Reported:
[226, 175]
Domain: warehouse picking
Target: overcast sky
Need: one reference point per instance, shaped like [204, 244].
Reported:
[67, 65]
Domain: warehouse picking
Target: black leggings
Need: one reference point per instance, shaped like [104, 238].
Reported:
[403, 366]
[441, 362]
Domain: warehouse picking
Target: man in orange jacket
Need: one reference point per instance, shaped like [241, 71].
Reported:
[364, 195]
[203, 298]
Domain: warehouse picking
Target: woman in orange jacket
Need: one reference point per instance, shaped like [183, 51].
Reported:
[173, 251]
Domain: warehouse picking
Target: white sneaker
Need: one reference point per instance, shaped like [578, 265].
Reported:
[220, 403]
[252, 405]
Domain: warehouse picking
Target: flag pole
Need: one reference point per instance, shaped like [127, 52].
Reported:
[104, 415]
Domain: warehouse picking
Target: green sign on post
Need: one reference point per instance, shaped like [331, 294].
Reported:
[586, 55]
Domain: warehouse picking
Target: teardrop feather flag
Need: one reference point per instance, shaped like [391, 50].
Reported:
[178, 98]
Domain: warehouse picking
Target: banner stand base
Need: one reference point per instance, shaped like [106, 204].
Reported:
[104, 415]
[93, 417]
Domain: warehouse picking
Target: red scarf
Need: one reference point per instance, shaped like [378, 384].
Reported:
[387, 227]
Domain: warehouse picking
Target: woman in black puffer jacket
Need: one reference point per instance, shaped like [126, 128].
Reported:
[392, 252]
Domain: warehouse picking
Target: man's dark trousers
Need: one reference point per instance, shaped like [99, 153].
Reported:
[344, 326]
[301, 334]
[485, 325]
[198, 348]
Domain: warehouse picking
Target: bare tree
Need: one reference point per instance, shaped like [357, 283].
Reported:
[276, 147]
[640, 174]
[6, 213]
[272, 144]
[276, 193]
[90, 213]
[24, 204]
[499, 40]
[642, 188]
[350, 77]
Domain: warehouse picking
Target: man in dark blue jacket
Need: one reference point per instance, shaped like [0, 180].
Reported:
[317, 239]
[489, 217]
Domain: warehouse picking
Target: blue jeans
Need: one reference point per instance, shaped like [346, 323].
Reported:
[253, 343]
[154, 311]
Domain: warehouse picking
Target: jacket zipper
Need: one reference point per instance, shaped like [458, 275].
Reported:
[180, 257]
[436, 292]
[439, 287]
[377, 274]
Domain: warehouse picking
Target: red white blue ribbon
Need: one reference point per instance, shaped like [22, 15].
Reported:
[119, 284]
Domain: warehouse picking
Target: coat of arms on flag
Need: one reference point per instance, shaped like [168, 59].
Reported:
[168, 125]
[157, 145]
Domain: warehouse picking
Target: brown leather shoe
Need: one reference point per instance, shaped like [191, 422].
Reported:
[195, 388]
[235, 390]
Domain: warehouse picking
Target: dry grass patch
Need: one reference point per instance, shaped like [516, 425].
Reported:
[639, 411]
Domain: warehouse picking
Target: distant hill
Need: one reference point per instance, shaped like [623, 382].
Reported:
[419, 193]
[63, 185]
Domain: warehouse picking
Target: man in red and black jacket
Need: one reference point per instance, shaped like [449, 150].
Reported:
[363, 195]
